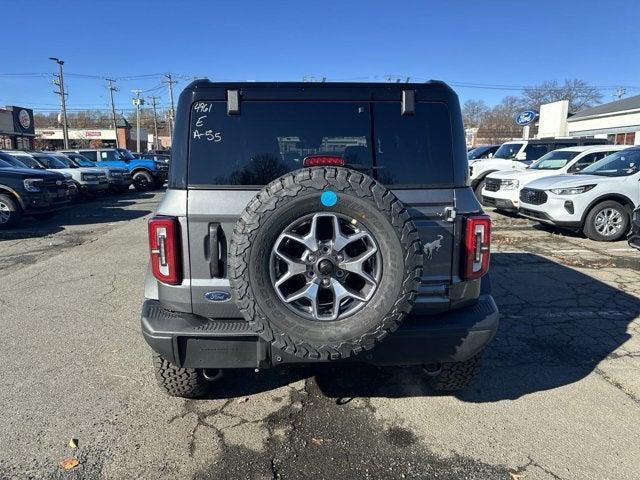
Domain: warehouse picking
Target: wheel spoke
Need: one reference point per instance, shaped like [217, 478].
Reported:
[309, 242]
[294, 267]
[356, 264]
[309, 292]
[340, 292]
[340, 240]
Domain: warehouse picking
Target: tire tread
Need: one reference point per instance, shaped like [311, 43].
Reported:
[319, 178]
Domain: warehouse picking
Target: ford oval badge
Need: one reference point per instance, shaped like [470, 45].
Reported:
[217, 296]
[526, 117]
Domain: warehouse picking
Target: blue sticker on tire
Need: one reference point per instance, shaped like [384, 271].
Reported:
[329, 198]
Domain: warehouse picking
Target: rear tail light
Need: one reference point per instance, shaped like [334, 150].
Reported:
[323, 161]
[477, 246]
[164, 245]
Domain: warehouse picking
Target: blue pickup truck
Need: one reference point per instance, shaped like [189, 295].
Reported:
[146, 174]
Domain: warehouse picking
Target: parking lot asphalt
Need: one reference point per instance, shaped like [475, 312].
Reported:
[558, 396]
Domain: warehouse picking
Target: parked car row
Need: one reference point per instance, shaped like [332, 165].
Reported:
[146, 173]
[39, 184]
[518, 155]
[592, 189]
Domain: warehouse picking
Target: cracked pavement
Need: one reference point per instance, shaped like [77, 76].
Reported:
[558, 396]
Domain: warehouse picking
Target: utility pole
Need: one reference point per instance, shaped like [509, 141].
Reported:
[137, 101]
[112, 89]
[155, 122]
[61, 92]
[170, 81]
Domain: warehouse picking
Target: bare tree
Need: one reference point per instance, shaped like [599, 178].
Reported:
[474, 112]
[579, 94]
[499, 123]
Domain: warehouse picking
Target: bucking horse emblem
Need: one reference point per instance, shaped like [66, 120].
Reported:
[432, 247]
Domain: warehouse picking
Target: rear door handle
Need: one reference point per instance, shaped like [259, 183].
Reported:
[214, 250]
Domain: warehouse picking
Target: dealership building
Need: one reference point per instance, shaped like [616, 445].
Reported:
[16, 128]
[618, 122]
[53, 138]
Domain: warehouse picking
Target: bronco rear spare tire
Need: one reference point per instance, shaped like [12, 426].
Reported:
[325, 263]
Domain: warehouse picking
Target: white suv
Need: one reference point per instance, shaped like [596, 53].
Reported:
[598, 200]
[502, 189]
[518, 155]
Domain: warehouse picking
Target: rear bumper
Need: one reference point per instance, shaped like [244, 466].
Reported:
[189, 340]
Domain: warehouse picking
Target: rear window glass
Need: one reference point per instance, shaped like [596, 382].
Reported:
[269, 139]
[413, 149]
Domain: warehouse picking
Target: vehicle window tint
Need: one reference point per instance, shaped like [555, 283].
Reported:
[413, 149]
[488, 153]
[107, 155]
[269, 139]
[534, 151]
[588, 160]
[90, 155]
[508, 150]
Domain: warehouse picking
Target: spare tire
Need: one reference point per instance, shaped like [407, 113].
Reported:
[325, 263]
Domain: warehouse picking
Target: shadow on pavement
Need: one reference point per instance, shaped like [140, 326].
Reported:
[99, 210]
[557, 325]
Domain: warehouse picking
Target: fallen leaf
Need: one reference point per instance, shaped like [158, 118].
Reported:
[69, 463]
[73, 443]
[516, 476]
[317, 441]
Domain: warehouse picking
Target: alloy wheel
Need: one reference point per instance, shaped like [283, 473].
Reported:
[325, 266]
[608, 222]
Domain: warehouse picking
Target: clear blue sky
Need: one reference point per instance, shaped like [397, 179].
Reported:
[495, 42]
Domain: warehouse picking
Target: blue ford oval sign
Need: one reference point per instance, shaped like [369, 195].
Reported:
[217, 296]
[526, 117]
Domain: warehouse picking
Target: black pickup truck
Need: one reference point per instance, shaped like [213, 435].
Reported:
[27, 192]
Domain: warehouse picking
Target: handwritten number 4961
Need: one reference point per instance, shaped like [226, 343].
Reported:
[209, 135]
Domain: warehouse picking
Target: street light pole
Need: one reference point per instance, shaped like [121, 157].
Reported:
[137, 101]
[65, 132]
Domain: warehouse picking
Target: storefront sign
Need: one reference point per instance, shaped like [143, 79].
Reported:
[527, 117]
[24, 119]
[93, 134]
